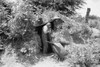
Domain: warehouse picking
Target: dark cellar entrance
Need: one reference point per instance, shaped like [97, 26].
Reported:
[43, 39]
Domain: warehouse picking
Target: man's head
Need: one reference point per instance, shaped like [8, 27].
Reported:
[47, 28]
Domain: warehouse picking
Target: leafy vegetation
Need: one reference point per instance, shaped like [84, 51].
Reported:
[63, 6]
[21, 41]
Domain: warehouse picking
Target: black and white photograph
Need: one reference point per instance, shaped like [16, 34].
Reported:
[49, 33]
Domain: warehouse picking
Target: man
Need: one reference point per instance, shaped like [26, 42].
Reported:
[60, 50]
[46, 36]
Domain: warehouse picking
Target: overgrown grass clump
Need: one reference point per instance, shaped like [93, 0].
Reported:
[22, 44]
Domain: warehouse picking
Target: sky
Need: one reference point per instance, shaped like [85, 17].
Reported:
[94, 5]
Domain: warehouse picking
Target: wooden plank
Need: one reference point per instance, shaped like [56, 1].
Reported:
[87, 15]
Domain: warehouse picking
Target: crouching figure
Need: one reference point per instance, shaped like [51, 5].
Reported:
[60, 50]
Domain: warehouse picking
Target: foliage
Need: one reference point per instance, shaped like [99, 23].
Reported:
[63, 6]
[93, 17]
[17, 28]
[85, 51]
[78, 18]
[9, 58]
